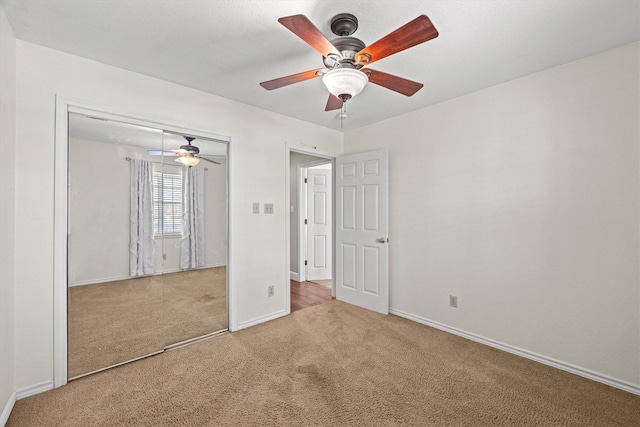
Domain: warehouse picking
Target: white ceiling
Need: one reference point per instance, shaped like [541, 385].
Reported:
[227, 47]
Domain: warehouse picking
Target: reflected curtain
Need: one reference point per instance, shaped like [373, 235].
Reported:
[192, 247]
[141, 243]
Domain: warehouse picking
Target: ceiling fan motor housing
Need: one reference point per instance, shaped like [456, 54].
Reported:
[348, 47]
[191, 149]
[344, 24]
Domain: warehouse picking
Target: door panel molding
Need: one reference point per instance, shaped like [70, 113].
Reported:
[318, 234]
[362, 258]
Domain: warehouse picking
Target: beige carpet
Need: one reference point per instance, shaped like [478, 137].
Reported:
[332, 365]
[109, 323]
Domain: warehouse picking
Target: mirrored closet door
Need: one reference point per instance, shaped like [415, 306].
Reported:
[147, 242]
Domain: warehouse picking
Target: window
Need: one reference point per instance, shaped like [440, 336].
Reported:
[167, 203]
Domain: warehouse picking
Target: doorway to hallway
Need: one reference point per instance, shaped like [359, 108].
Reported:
[310, 229]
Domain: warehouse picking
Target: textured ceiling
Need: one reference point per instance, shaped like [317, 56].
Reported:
[227, 47]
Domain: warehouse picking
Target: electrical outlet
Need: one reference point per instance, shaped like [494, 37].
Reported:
[268, 208]
[256, 208]
[270, 290]
[453, 301]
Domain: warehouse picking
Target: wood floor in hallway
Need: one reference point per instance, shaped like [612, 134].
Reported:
[308, 294]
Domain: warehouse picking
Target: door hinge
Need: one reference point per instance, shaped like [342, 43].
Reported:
[305, 221]
[305, 262]
[305, 180]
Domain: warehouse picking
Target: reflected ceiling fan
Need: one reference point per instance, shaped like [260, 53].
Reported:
[345, 57]
[188, 155]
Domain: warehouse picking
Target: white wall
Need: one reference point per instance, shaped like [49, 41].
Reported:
[257, 162]
[98, 248]
[215, 208]
[523, 200]
[7, 197]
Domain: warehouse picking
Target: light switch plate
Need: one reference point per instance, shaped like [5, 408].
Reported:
[268, 208]
[256, 208]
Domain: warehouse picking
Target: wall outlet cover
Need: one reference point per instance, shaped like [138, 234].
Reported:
[453, 301]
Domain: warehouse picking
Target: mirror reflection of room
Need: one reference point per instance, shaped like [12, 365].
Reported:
[147, 244]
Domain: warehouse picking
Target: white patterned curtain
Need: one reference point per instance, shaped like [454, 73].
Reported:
[141, 243]
[192, 248]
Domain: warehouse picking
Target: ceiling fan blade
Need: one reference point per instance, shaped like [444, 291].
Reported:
[209, 160]
[287, 80]
[161, 153]
[395, 83]
[302, 27]
[333, 103]
[413, 33]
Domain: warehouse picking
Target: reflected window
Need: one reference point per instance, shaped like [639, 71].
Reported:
[167, 203]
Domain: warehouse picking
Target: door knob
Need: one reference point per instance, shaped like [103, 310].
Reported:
[382, 240]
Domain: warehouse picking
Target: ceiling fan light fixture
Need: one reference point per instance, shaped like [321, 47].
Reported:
[345, 83]
[188, 160]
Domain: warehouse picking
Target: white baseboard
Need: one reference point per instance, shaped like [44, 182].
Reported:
[34, 389]
[116, 278]
[21, 394]
[8, 407]
[178, 270]
[258, 320]
[96, 281]
[586, 373]
[294, 276]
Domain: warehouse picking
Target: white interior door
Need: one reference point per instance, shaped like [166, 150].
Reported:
[362, 252]
[319, 224]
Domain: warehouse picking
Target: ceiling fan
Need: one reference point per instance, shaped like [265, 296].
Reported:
[188, 155]
[345, 57]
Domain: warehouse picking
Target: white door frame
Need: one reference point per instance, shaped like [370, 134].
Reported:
[63, 107]
[302, 214]
[312, 151]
